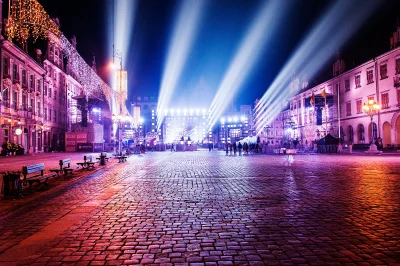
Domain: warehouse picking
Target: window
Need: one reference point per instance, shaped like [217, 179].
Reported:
[23, 77]
[38, 108]
[55, 75]
[55, 95]
[24, 102]
[45, 89]
[54, 116]
[383, 69]
[15, 72]
[398, 97]
[15, 100]
[6, 66]
[31, 82]
[49, 119]
[49, 92]
[32, 107]
[359, 106]
[45, 114]
[38, 86]
[348, 108]
[299, 103]
[385, 100]
[358, 81]
[370, 76]
[347, 85]
[397, 65]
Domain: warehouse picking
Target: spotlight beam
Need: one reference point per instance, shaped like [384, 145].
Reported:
[332, 31]
[261, 30]
[180, 44]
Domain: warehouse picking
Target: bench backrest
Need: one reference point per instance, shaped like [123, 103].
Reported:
[103, 154]
[33, 168]
[65, 162]
[87, 158]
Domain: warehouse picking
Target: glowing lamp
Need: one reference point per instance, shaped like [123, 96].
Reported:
[113, 117]
[365, 107]
[112, 65]
[376, 106]
[371, 101]
[242, 118]
[235, 119]
[222, 120]
[18, 131]
[229, 119]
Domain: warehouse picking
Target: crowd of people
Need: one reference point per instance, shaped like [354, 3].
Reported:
[245, 149]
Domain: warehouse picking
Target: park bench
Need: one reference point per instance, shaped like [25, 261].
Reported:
[121, 158]
[87, 162]
[35, 174]
[65, 167]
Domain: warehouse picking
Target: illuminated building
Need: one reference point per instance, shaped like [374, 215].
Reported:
[377, 79]
[235, 125]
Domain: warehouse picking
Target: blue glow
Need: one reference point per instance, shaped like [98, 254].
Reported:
[260, 32]
[335, 27]
[179, 47]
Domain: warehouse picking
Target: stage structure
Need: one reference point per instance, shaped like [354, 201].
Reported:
[184, 124]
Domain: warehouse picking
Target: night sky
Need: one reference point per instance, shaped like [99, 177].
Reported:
[223, 25]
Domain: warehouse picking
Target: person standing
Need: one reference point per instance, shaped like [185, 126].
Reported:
[226, 148]
[234, 148]
[240, 148]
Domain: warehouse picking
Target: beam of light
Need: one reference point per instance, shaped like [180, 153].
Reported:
[121, 14]
[260, 32]
[332, 31]
[179, 46]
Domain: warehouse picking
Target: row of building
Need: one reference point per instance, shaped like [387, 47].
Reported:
[377, 80]
[47, 89]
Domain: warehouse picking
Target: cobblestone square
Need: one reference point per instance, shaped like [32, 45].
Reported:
[205, 208]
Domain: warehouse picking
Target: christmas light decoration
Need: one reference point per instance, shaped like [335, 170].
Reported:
[93, 85]
[28, 18]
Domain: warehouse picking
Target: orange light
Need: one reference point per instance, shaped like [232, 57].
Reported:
[370, 101]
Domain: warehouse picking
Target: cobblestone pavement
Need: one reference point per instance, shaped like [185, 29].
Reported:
[205, 208]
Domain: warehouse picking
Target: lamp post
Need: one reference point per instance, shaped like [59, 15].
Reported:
[119, 120]
[371, 108]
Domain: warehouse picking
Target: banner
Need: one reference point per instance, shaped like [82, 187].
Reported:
[72, 138]
[319, 116]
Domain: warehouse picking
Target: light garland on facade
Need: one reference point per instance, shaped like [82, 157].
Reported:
[87, 77]
[28, 18]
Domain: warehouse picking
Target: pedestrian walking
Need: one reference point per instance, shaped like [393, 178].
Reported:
[230, 149]
[172, 147]
[226, 148]
[240, 148]
[234, 148]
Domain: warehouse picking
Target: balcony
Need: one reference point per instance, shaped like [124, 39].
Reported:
[396, 81]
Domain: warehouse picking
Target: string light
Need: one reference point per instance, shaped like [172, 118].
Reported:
[28, 18]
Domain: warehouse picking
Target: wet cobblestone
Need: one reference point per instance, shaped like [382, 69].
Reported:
[205, 208]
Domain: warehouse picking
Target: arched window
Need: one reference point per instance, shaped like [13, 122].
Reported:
[351, 134]
[361, 132]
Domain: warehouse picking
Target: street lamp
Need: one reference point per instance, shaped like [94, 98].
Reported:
[119, 120]
[372, 108]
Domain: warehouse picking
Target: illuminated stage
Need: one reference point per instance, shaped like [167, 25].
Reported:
[187, 124]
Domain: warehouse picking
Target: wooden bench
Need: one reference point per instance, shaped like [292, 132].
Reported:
[121, 158]
[64, 170]
[87, 162]
[35, 174]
